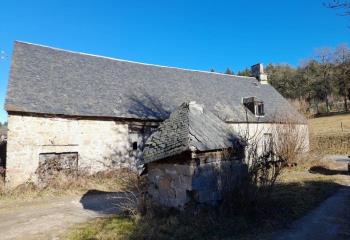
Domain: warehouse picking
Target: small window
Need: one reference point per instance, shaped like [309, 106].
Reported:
[259, 109]
[134, 146]
[254, 105]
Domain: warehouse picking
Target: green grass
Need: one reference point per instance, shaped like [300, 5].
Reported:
[296, 194]
[104, 228]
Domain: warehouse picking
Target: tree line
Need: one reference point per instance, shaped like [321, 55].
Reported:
[323, 81]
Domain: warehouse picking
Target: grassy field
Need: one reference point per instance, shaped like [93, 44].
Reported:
[330, 134]
[330, 125]
[296, 193]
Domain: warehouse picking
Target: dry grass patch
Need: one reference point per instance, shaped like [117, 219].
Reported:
[333, 144]
[63, 185]
[330, 125]
[330, 134]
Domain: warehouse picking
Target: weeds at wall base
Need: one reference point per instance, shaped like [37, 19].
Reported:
[64, 184]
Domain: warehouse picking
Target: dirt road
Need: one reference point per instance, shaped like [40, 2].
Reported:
[331, 220]
[47, 219]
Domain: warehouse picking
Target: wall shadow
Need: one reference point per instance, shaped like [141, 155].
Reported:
[326, 171]
[101, 201]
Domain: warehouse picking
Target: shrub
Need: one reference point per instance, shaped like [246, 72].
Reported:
[267, 157]
[133, 201]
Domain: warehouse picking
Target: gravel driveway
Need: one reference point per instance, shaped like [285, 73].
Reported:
[47, 219]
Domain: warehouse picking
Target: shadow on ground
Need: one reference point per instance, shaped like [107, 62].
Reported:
[243, 219]
[101, 202]
[329, 221]
[327, 171]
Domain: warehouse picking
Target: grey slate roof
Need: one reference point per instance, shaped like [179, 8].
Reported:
[53, 81]
[189, 128]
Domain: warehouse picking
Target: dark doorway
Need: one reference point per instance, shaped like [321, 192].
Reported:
[3, 147]
[50, 164]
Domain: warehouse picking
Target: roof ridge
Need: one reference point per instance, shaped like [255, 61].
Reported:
[128, 61]
[188, 123]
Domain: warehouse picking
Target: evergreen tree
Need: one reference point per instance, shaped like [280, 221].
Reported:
[246, 72]
[229, 71]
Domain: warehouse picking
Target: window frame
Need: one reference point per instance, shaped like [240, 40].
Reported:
[252, 103]
[259, 109]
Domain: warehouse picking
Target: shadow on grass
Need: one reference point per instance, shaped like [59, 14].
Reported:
[243, 219]
[327, 171]
[101, 202]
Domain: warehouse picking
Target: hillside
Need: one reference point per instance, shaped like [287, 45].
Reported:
[330, 134]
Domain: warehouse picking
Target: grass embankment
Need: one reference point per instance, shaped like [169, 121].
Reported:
[331, 134]
[297, 192]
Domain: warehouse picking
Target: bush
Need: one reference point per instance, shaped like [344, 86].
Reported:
[133, 202]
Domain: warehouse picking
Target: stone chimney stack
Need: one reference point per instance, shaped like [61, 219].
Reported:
[258, 73]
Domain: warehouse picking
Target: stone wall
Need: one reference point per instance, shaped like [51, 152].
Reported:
[201, 179]
[169, 183]
[255, 132]
[99, 144]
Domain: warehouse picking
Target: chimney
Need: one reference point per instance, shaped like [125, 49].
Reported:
[258, 73]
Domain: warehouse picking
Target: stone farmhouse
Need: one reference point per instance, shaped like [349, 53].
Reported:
[93, 113]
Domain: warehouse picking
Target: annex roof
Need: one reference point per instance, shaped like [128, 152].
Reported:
[189, 128]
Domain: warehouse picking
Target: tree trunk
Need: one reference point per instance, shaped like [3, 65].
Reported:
[327, 104]
[345, 103]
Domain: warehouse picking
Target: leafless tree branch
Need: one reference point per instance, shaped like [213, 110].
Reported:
[339, 4]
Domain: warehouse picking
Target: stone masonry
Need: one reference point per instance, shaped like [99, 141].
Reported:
[203, 180]
[99, 144]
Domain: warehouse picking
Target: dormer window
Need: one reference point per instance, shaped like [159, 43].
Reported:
[255, 106]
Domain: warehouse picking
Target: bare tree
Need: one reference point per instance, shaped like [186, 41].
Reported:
[308, 72]
[269, 150]
[324, 57]
[342, 72]
[344, 5]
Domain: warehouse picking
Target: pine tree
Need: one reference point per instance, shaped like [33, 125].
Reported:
[246, 72]
[229, 71]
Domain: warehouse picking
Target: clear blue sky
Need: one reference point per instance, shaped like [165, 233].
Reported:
[190, 34]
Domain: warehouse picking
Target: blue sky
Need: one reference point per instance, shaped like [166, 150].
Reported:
[190, 34]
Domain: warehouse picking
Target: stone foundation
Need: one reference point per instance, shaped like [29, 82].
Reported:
[202, 179]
